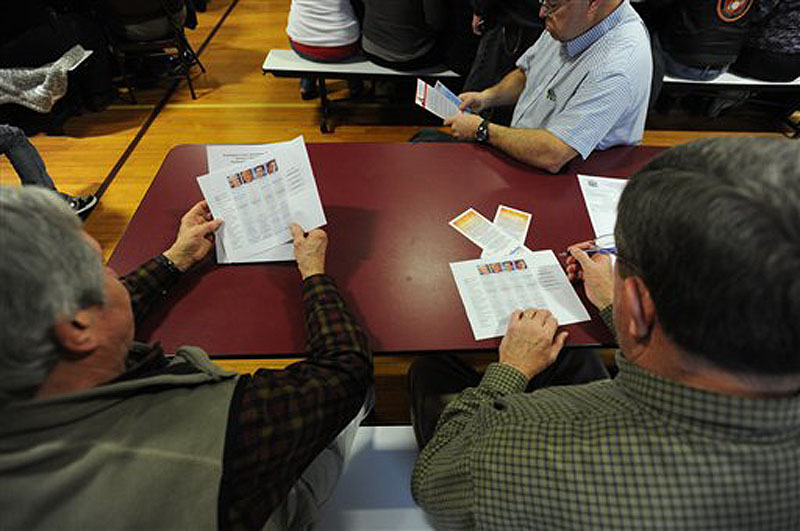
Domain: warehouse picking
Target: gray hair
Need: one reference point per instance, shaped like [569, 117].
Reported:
[713, 229]
[48, 271]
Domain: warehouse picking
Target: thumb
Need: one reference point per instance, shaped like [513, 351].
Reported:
[558, 344]
[212, 225]
[297, 232]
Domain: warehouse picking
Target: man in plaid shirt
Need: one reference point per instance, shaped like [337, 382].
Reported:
[97, 431]
[700, 429]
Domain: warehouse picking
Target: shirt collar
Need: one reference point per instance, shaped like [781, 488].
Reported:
[586, 39]
[713, 413]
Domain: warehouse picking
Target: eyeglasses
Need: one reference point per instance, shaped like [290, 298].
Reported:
[550, 6]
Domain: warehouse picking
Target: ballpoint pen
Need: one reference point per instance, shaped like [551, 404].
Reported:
[590, 252]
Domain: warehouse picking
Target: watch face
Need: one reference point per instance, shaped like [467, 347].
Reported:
[482, 134]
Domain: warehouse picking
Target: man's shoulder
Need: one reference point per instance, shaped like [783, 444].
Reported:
[625, 53]
[600, 402]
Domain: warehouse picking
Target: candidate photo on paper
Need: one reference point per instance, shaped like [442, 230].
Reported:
[234, 181]
[272, 166]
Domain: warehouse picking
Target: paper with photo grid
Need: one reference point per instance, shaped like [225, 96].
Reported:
[269, 187]
[491, 289]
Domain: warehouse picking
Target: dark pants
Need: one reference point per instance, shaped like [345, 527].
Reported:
[434, 381]
[766, 65]
[498, 51]
[24, 157]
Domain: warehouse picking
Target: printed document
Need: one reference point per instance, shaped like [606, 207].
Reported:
[513, 222]
[259, 198]
[601, 195]
[447, 93]
[435, 101]
[221, 155]
[491, 289]
[483, 233]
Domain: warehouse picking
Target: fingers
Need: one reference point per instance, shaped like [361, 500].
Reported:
[559, 342]
[198, 209]
[467, 100]
[578, 253]
[298, 234]
[212, 226]
[450, 120]
[318, 234]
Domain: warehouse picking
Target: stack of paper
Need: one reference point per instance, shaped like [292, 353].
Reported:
[258, 191]
[509, 276]
[438, 99]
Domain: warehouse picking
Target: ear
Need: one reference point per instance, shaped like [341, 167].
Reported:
[78, 333]
[641, 309]
[593, 7]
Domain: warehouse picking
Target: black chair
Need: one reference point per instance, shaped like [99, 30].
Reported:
[148, 27]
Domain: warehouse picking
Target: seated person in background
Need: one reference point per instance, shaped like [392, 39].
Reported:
[143, 20]
[507, 29]
[326, 31]
[31, 170]
[584, 85]
[701, 427]
[122, 436]
[772, 49]
[699, 40]
[403, 34]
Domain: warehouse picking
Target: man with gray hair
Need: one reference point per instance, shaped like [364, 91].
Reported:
[98, 431]
[700, 429]
[583, 85]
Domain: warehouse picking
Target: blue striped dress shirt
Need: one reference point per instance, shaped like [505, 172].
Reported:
[591, 92]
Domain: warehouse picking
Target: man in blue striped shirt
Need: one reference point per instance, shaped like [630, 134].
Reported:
[583, 85]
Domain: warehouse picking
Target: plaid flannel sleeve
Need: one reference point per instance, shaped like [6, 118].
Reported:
[282, 419]
[149, 284]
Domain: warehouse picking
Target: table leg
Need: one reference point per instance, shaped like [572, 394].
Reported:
[323, 98]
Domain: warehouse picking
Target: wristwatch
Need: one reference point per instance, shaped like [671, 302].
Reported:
[482, 133]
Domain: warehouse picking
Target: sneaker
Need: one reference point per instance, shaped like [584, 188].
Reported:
[83, 204]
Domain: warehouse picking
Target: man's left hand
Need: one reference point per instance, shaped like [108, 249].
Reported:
[195, 237]
[531, 343]
[463, 126]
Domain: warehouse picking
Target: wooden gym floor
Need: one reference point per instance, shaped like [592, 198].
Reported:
[124, 145]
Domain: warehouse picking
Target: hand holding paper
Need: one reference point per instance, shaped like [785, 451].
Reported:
[195, 237]
[309, 250]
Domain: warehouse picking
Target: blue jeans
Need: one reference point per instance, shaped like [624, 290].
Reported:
[24, 157]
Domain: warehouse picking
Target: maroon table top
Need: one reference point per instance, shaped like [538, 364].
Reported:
[390, 245]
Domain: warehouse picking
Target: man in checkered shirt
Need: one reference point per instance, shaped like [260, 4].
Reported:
[700, 428]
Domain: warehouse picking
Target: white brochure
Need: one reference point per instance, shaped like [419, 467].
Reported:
[601, 195]
[491, 289]
[483, 233]
[435, 101]
[513, 222]
[258, 199]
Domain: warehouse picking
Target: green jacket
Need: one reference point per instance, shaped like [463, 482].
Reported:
[155, 442]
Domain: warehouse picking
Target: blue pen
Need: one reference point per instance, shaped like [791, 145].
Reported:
[590, 252]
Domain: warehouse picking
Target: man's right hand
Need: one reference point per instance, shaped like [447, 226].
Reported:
[595, 271]
[309, 250]
[476, 101]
